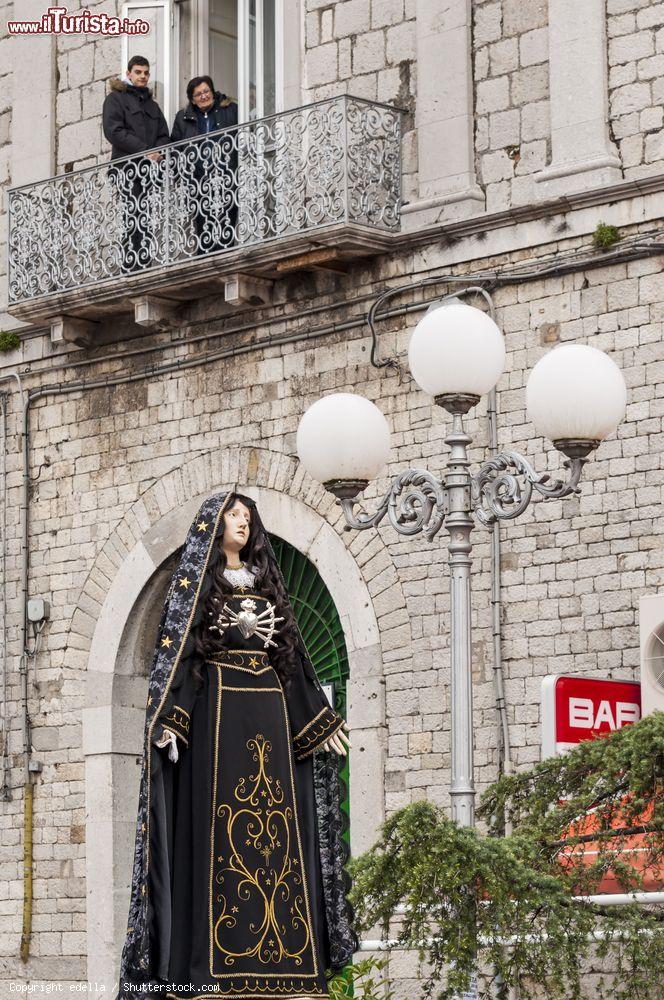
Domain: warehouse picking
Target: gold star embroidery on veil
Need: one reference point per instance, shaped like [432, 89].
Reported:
[253, 662]
[202, 526]
[185, 582]
[167, 642]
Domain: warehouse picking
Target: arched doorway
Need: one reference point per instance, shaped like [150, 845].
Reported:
[126, 618]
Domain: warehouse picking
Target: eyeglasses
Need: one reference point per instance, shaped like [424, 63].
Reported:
[202, 93]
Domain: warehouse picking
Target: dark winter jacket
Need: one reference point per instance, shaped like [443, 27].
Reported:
[221, 114]
[133, 121]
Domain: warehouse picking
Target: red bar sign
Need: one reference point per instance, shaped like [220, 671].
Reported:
[580, 708]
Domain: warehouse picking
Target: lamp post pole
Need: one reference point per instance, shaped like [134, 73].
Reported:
[459, 525]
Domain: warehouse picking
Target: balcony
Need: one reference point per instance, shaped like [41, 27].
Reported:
[316, 186]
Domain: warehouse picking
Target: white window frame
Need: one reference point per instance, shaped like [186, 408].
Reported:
[243, 58]
[170, 54]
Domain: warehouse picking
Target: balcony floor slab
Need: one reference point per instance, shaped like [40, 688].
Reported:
[193, 278]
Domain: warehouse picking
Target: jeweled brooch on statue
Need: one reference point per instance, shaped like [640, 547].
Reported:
[249, 623]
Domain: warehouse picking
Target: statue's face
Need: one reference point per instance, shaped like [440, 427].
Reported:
[237, 520]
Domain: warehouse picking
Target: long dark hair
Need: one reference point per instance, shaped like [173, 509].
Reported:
[216, 589]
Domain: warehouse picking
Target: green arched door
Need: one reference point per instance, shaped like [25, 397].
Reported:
[321, 629]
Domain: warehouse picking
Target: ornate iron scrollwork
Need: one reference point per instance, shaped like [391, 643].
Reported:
[414, 503]
[503, 486]
[331, 162]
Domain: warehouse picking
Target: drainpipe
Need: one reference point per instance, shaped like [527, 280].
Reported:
[504, 745]
[5, 788]
[30, 766]
[28, 786]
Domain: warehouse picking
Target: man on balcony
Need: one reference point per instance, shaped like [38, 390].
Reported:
[133, 122]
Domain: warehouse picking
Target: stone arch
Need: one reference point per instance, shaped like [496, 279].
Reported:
[364, 585]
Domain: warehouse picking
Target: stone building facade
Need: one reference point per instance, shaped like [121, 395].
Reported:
[513, 150]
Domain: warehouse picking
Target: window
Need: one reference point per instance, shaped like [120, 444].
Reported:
[245, 53]
[156, 47]
[223, 46]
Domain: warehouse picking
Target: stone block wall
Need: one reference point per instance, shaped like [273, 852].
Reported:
[5, 141]
[572, 570]
[366, 48]
[84, 66]
[512, 124]
[636, 83]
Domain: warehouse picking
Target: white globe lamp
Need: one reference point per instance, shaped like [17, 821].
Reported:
[456, 354]
[343, 441]
[576, 396]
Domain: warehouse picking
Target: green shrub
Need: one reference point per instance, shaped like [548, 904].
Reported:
[9, 341]
[605, 236]
[505, 906]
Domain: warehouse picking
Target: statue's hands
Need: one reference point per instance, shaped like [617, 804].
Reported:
[339, 742]
[169, 737]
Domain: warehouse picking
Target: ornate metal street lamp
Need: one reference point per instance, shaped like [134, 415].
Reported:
[575, 396]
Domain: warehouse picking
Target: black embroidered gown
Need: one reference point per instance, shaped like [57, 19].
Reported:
[247, 915]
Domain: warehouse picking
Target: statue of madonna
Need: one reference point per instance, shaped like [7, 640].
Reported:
[238, 883]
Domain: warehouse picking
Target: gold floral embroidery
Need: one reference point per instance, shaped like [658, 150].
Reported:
[240, 657]
[272, 790]
[179, 719]
[252, 988]
[250, 662]
[310, 723]
[260, 831]
[264, 829]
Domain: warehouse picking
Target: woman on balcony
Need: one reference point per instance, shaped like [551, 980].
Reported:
[209, 165]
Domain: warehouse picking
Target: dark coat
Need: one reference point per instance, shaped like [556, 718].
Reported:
[223, 113]
[133, 121]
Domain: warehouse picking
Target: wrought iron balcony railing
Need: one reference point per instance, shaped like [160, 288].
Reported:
[333, 162]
